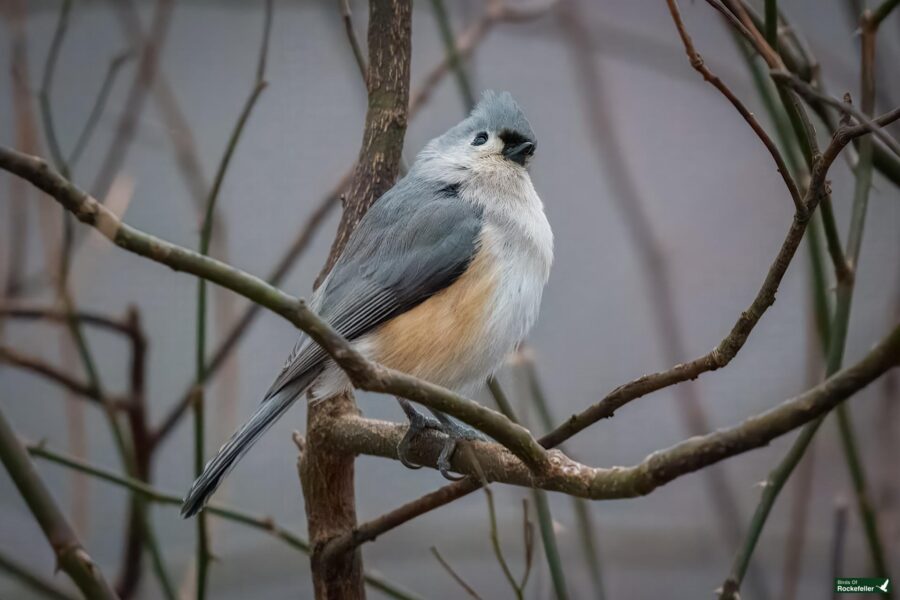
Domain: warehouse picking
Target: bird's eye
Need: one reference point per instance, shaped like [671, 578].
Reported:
[480, 139]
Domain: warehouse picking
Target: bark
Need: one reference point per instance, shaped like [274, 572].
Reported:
[327, 475]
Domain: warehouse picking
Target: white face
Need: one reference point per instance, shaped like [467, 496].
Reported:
[481, 154]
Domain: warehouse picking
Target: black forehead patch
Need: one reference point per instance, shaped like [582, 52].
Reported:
[513, 138]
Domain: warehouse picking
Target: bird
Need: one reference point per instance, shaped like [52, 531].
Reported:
[441, 279]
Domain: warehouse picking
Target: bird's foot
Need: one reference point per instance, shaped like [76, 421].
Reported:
[455, 432]
[418, 423]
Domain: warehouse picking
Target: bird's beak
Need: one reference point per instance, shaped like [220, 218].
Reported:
[519, 153]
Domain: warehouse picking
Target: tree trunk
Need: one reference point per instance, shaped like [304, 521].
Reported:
[327, 477]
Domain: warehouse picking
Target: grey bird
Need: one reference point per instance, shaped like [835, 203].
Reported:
[441, 279]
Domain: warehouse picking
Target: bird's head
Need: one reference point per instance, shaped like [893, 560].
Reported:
[495, 139]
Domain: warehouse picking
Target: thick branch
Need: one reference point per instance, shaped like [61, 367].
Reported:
[365, 436]
[379, 438]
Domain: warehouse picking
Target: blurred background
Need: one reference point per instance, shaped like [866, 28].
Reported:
[624, 125]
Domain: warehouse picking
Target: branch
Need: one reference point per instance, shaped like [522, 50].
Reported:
[33, 581]
[70, 554]
[380, 438]
[145, 73]
[697, 63]
[726, 350]
[37, 313]
[456, 577]
[47, 371]
[811, 94]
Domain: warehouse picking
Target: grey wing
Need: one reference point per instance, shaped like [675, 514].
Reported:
[411, 244]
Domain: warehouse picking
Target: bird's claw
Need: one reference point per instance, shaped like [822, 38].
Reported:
[454, 431]
[418, 423]
[443, 461]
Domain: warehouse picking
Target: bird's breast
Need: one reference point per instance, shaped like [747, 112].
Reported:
[460, 335]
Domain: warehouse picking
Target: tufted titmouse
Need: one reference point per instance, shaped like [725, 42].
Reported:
[441, 279]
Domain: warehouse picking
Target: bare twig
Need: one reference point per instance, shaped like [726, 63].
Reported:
[230, 340]
[453, 58]
[151, 46]
[498, 548]
[39, 367]
[203, 551]
[358, 57]
[545, 517]
[70, 554]
[33, 581]
[90, 124]
[734, 341]
[40, 313]
[812, 94]
[838, 540]
[456, 577]
[524, 357]
[697, 63]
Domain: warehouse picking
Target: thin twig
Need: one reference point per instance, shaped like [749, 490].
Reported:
[453, 57]
[495, 544]
[697, 63]
[145, 73]
[812, 94]
[39, 367]
[358, 56]
[31, 580]
[59, 33]
[772, 23]
[462, 582]
[230, 340]
[524, 357]
[880, 13]
[90, 125]
[838, 540]
[545, 517]
[39, 313]
[203, 551]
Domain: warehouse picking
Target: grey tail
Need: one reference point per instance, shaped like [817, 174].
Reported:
[218, 468]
